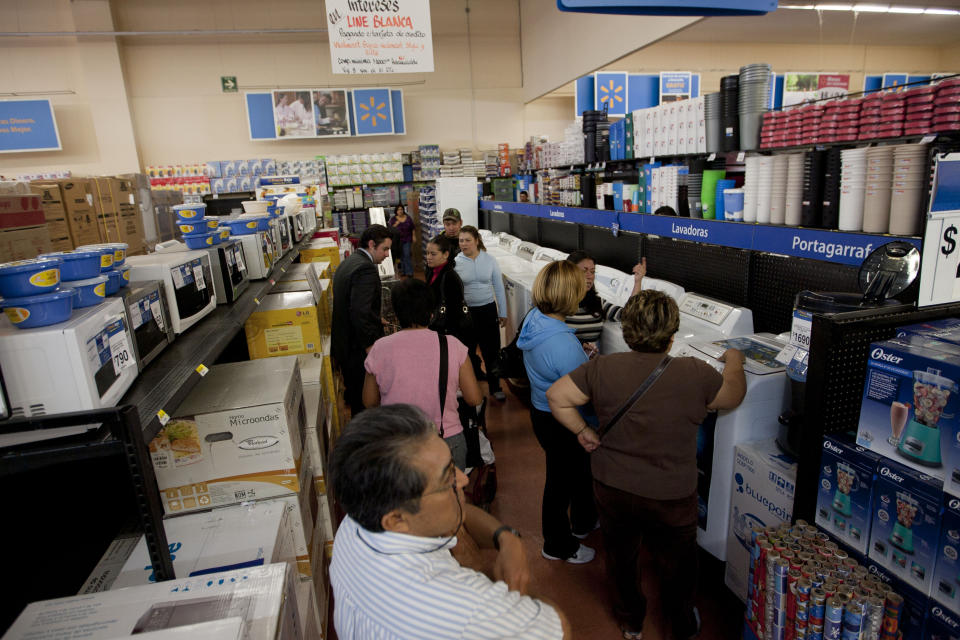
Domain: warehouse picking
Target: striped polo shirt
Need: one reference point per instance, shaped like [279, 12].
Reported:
[397, 586]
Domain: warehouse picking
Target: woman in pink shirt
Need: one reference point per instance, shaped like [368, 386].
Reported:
[404, 367]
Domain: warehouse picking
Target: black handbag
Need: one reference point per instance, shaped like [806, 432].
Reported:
[442, 322]
[510, 360]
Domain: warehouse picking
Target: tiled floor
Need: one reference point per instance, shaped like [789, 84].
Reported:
[581, 591]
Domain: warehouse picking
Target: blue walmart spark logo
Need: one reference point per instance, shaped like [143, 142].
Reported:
[611, 92]
[373, 111]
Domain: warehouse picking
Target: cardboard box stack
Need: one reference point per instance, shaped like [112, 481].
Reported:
[322, 250]
[23, 231]
[51, 200]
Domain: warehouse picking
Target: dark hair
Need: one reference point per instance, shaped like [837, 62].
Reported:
[579, 256]
[472, 230]
[445, 243]
[650, 319]
[399, 206]
[371, 466]
[413, 303]
[591, 301]
[665, 211]
[376, 232]
[524, 192]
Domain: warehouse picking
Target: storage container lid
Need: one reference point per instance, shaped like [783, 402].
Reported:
[76, 254]
[75, 284]
[59, 294]
[33, 264]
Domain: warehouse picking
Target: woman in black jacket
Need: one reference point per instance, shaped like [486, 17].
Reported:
[447, 289]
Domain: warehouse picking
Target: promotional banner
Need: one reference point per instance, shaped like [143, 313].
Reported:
[324, 113]
[675, 86]
[808, 87]
[380, 36]
[28, 125]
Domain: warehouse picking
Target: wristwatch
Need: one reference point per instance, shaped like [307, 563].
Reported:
[496, 535]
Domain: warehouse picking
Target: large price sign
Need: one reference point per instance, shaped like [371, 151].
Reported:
[940, 269]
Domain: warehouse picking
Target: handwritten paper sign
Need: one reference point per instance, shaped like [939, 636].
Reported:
[380, 36]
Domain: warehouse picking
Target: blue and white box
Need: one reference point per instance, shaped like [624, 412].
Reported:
[942, 624]
[905, 533]
[946, 575]
[909, 409]
[915, 604]
[945, 329]
[845, 492]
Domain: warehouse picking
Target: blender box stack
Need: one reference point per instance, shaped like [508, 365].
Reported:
[845, 492]
[946, 576]
[905, 534]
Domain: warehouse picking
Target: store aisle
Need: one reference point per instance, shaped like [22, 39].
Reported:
[581, 590]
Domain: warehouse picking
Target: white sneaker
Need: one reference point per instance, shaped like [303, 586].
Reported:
[583, 555]
[582, 536]
[500, 395]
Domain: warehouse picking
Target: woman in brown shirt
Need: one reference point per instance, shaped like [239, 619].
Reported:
[645, 468]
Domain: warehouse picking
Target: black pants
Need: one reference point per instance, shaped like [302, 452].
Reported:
[670, 529]
[567, 486]
[486, 335]
[353, 376]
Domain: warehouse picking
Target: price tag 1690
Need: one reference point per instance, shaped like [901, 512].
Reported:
[120, 352]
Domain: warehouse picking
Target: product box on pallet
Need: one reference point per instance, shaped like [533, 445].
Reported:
[237, 437]
[946, 575]
[764, 481]
[264, 597]
[909, 410]
[81, 214]
[23, 232]
[284, 324]
[913, 619]
[845, 492]
[51, 200]
[321, 250]
[219, 540]
[905, 533]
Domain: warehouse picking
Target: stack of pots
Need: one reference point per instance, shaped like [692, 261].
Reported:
[729, 114]
[753, 100]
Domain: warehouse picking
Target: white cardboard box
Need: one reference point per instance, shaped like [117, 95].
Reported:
[226, 629]
[308, 608]
[263, 596]
[764, 480]
[215, 541]
[237, 437]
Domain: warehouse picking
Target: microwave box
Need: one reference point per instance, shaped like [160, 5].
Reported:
[213, 541]
[284, 324]
[51, 201]
[321, 249]
[845, 492]
[71, 366]
[264, 597]
[229, 271]
[148, 319]
[905, 533]
[913, 619]
[257, 254]
[909, 409]
[946, 575]
[237, 437]
[764, 481]
[226, 629]
[102, 190]
[187, 281]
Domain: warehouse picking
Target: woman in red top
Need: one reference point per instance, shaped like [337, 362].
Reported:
[402, 226]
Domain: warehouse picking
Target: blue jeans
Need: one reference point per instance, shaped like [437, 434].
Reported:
[406, 259]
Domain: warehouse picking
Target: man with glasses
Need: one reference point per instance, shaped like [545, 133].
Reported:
[392, 572]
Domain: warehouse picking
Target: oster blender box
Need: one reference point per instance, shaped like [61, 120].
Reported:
[908, 412]
[945, 329]
[845, 492]
[942, 624]
[913, 619]
[946, 575]
[905, 533]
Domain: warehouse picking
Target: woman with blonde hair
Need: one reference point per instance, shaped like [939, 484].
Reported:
[551, 351]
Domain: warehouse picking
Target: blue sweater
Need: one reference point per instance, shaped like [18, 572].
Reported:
[482, 281]
[550, 351]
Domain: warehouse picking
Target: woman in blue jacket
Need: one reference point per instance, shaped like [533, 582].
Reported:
[550, 351]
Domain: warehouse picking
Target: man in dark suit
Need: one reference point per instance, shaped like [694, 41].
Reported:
[356, 310]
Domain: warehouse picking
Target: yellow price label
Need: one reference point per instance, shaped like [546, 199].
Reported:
[164, 418]
[202, 370]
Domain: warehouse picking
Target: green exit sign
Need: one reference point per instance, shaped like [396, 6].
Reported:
[228, 84]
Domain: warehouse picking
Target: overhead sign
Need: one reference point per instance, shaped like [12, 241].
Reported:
[671, 7]
[380, 36]
[675, 85]
[807, 87]
[228, 84]
[372, 111]
[611, 92]
[324, 113]
[28, 125]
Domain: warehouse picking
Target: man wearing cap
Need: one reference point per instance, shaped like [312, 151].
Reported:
[452, 221]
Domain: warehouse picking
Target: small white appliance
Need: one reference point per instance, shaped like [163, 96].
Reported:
[257, 249]
[148, 319]
[295, 222]
[309, 217]
[768, 394]
[187, 280]
[229, 270]
[279, 247]
[84, 363]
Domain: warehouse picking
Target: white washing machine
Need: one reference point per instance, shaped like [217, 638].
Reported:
[768, 395]
[519, 272]
[507, 246]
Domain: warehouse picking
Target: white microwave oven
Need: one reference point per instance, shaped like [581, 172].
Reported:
[257, 250]
[283, 227]
[295, 222]
[229, 271]
[86, 362]
[148, 319]
[187, 281]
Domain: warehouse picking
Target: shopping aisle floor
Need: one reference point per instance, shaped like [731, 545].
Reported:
[581, 591]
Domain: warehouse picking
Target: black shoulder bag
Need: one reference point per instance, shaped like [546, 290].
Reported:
[632, 400]
[510, 361]
[442, 322]
[442, 385]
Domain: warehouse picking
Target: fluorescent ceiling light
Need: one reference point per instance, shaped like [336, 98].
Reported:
[906, 9]
[871, 8]
[942, 12]
[834, 7]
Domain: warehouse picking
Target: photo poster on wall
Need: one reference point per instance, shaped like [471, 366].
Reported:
[809, 87]
[285, 114]
[382, 36]
[643, 91]
[28, 125]
[675, 86]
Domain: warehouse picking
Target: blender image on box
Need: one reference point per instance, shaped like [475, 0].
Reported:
[902, 535]
[846, 476]
[920, 441]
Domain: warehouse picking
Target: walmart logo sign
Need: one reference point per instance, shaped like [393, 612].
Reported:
[372, 111]
[611, 92]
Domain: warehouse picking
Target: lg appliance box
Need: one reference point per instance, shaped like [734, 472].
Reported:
[909, 408]
[264, 597]
[946, 575]
[237, 437]
[284, 324]
[764, 480]
[913, 619]
[845, 492]
[905, 532]
[214, 541]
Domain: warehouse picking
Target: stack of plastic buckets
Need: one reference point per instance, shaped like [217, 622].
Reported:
[198, 231]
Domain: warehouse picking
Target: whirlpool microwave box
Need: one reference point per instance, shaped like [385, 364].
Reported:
[264, 597]
[845, 492]
[764, 481]
[237, 437]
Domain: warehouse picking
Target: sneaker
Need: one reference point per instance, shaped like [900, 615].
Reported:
[582, 556]
[581, 536]
[500, 395]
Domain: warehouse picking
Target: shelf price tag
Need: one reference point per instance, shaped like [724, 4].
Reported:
[711, 157]
[163, 417]
[120, 352]
[198, 278]
[202, 370]
[741, 156]
[157, 313]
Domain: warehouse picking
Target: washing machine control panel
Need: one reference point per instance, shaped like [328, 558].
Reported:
[526, 251]
[712, 311]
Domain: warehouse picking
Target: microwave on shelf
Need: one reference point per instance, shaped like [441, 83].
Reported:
[257, 250]
[229, 270]
[283, 227]
[308, 215]
[295, 223]
[148, 319]
[83, 363]
[187, 281]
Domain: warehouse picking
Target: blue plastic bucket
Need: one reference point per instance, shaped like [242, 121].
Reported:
[88, 292]
[194, 227]
[201, 241]
[29, 277]
[40, 310]
[79, 264]
[188, 212]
